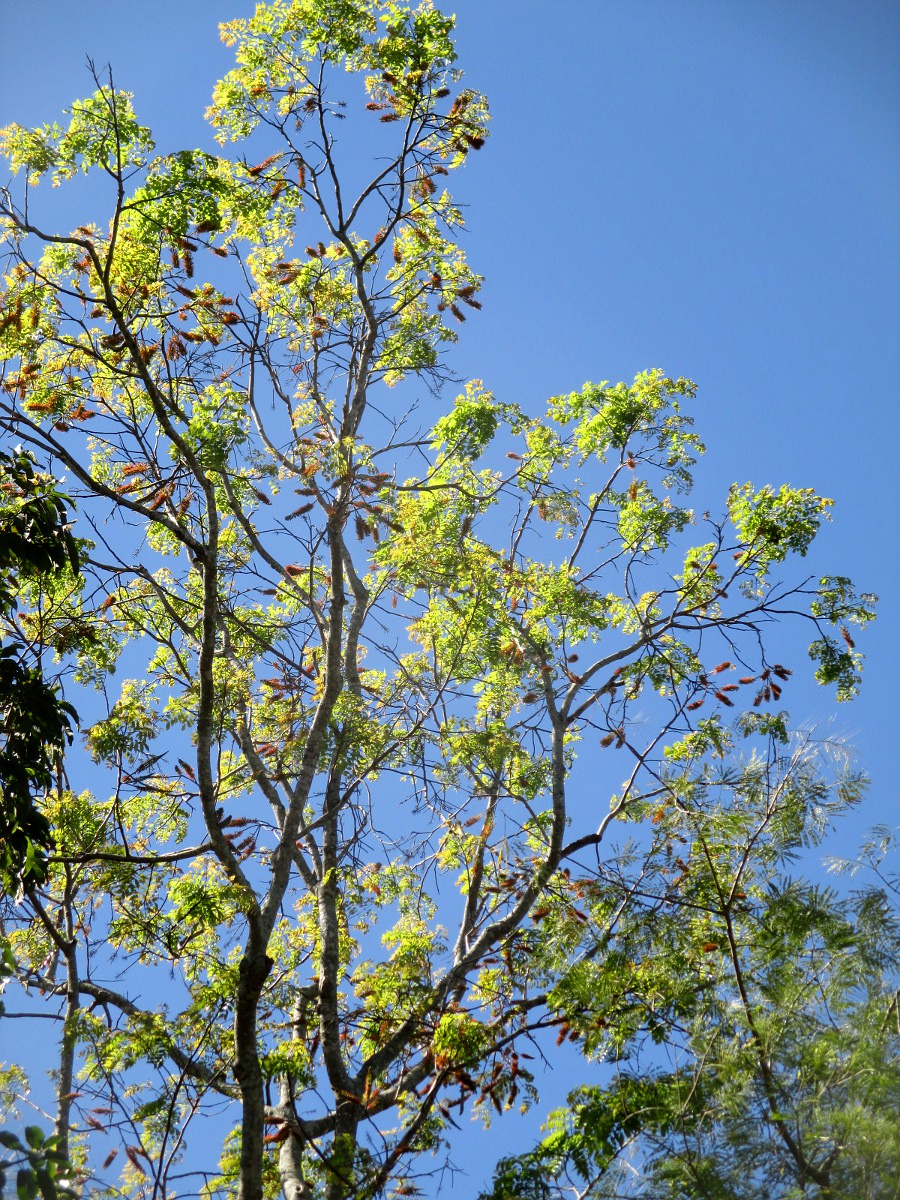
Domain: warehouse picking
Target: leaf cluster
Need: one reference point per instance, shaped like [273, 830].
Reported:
[35, 722]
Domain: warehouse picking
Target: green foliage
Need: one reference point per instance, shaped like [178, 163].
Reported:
[103, 132]
[775, 524]
[585, 1138]
[775, 999]
[41, 1170]
[460, 1040]
[469, 429]
[35, 723]
[838, 603]
[129, 729]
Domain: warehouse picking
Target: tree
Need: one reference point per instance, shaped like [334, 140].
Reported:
[775, 1002]
[36, 546]
[340, 781]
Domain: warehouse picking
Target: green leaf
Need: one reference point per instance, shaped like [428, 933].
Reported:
[26, 1184]
[34, 1136]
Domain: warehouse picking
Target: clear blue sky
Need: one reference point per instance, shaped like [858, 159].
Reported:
[709, 186]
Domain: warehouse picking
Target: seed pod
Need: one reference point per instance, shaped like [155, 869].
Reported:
[260, 167]
[184, 505]
[160, 499]
[298, 512]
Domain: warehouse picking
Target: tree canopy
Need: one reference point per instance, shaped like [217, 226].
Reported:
[332, 862]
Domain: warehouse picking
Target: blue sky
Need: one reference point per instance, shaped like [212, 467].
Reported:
[709, 186]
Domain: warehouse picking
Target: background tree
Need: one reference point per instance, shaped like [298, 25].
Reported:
[756, 1030]
[36, 548]
[340, 781]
